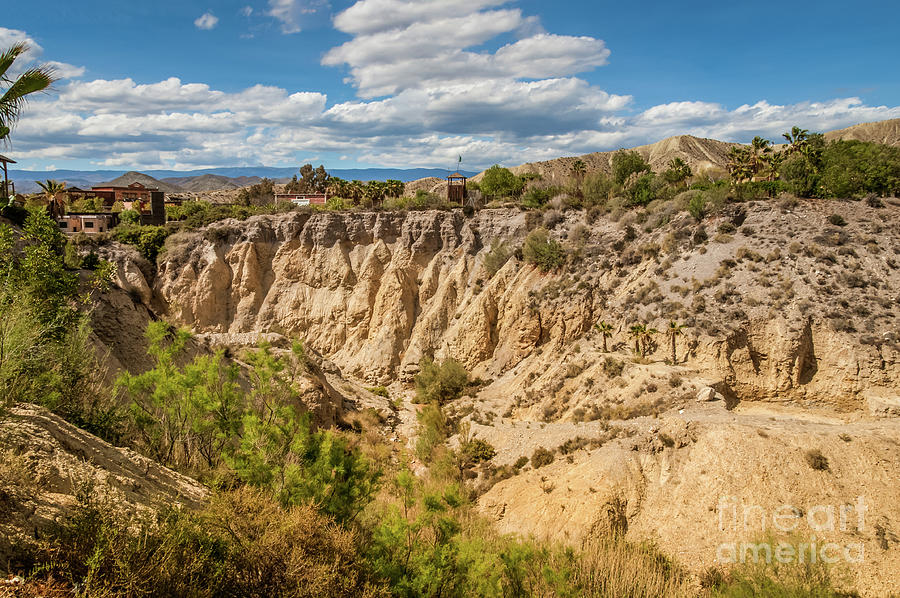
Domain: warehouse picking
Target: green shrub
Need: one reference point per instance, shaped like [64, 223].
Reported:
[497, 257]
[148, 240]
[837, 220]
[541, 457]
[381, 391]
[613, 367]
[543, 251]
[130, 217]
[643, 190]
[478, 450]
[440, 383]
[241, 544]
[537, 197]
[501, 182]
[697, 207]
[596, 189]
[626, 163]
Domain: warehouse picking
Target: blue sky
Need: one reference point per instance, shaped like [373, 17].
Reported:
[408, 83]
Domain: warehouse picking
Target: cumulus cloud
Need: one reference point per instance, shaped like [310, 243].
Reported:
[32, 57]
[293, 13]
[206, 21]
[404, 44]
[433, 80]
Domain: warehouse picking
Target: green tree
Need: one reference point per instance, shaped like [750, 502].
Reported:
[740, 164]
[605, 329]
[759, 148]
[184, 415]
[643, 338]
[642, 191]
[501, 182]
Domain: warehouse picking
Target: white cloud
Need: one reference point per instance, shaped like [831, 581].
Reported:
[434, 80]
[32, 56]
[405, 44]
[293, 13]
[206, 21]
[247, 11]
[65, 70]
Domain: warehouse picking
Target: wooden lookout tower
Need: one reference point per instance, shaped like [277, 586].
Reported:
[456, 188]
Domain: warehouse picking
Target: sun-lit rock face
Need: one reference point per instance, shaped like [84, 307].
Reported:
[378, 291]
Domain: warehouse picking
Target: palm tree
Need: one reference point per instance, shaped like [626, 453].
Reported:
[797, 139]
[395, 188]
[15, 96]
[605, 330]
[578, 169]
[773, 162]
[646, 340]
[759, 147]
[637, 332]
[740, 164]
[51, 188]
[679, 171]
[674, 329]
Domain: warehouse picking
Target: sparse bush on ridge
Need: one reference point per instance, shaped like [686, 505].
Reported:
[543, 251]
[497, 256]
[541, 457]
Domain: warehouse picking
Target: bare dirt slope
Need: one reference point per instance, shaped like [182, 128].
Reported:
[885, 131]
[46, 462]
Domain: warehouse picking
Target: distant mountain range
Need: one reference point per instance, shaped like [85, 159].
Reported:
[699, 153]
[178, 181]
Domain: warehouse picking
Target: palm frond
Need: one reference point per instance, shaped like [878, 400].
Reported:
[8, 57]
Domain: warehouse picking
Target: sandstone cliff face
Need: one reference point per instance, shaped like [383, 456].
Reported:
[374, 291]
[377, 291]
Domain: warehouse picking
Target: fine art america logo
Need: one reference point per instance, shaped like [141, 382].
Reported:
[746, 520]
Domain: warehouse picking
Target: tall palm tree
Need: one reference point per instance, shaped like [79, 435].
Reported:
[674, 330]
[15, 96]
[605, 329]
[637, 332]
[646, 340]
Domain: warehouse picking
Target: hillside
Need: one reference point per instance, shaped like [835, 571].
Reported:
[211, 182]
[144, 179]
[885, 131]
[789, 344]
[700, 154]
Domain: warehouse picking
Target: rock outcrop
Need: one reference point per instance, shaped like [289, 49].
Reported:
[377, 291]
